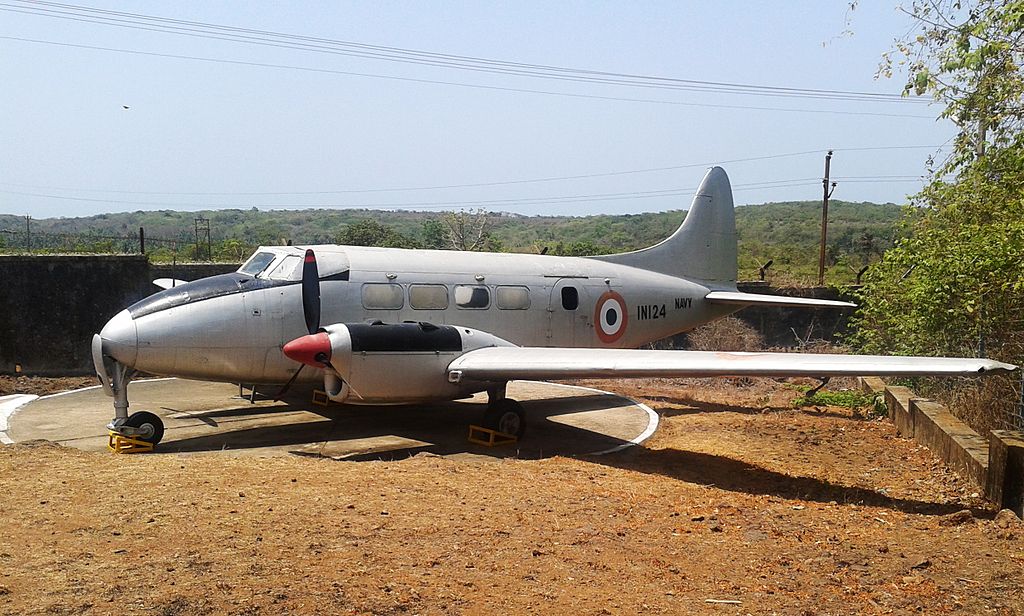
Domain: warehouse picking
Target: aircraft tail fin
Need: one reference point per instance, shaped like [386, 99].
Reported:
[703, 248]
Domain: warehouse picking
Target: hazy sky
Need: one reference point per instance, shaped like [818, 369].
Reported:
[230, 130]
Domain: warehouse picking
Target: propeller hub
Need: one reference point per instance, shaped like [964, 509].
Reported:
[313, 350]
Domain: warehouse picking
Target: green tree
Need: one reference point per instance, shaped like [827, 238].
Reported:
[954, 284]
[231, 250]
[576, 249]
[369, 232]
[432, 232]
[967, 55]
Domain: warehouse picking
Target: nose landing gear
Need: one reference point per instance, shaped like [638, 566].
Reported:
[140, 431]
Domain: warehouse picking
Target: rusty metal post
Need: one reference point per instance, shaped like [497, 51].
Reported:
[826, 193]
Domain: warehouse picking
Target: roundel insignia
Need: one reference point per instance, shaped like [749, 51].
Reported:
[610, 317]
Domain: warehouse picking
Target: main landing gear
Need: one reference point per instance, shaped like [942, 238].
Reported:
[140, 431]
[504, 415]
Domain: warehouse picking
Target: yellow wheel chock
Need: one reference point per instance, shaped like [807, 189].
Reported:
[320, 398]
[490, 438]
[119, 443]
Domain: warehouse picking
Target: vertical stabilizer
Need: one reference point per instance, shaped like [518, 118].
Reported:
[703, 248]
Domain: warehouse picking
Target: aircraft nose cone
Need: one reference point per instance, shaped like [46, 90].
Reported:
[313, 350]
[121, 338]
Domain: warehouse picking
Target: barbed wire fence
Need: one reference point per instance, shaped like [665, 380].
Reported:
[29, 240]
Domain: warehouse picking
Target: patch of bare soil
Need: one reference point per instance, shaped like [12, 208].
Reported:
[738, 499]
[41, 386]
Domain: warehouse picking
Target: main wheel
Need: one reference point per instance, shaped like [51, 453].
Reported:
[149, 426]
[506, 416]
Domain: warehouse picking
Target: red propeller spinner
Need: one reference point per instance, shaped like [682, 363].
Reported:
[312, 350]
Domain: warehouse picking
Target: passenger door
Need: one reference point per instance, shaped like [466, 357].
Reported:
[568, 313]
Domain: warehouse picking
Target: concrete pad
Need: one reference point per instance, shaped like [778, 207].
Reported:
[8, 405]
[203, 417]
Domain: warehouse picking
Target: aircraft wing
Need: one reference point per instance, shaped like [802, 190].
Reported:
[541, 363]
[746, 299]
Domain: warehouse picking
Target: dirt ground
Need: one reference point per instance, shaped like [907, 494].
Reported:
[739, 504]
[43, 385]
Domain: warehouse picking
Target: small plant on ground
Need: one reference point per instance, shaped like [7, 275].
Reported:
[847, 398]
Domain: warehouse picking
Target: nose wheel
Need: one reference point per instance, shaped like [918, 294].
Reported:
[137, 433]
[146, 427]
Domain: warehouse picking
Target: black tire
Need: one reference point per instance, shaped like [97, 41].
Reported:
[151, 429]
[506, 416]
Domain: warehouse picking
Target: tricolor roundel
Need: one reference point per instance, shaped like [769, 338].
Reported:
[610, 317]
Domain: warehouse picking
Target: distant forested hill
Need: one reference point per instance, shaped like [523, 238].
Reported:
[786, 232]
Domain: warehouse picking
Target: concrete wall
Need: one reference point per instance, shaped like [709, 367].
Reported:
[50, 306]
[781, 326]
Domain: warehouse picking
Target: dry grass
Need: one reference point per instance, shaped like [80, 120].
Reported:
[990, 403]
[728, 334]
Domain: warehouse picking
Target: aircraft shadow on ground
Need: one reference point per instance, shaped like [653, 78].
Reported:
[738, 476]
[696, 407]
[440, 429]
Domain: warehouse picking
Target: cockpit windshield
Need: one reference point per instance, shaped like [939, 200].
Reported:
[265, 269]
[257, 263]
[289, 268]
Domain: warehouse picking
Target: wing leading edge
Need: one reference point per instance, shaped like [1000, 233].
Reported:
[541, 363]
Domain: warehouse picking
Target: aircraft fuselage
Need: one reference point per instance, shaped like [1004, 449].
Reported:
[232, 327]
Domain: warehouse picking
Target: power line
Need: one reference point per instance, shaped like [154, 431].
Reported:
[556, 199]
[460, 84]
[394, 54]
[475, 184]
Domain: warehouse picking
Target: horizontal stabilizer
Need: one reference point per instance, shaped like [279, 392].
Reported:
[747, 299]
[537, 363]
[167, 283]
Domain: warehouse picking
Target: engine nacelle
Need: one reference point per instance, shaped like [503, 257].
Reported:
[398, 363]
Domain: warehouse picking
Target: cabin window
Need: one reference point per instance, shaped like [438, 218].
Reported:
[288, 269]
[467, 296]
[512, 298]
[257, 263]
[383, 296]
[428, 296]
[570, 298]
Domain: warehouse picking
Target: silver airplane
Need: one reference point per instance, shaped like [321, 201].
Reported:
[408, 326]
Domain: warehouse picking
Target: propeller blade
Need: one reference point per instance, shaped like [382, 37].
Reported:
[311, 292]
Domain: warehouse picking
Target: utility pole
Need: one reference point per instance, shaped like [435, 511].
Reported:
[28, 234]
[826, 193]
[203, 232]
[142, 240]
